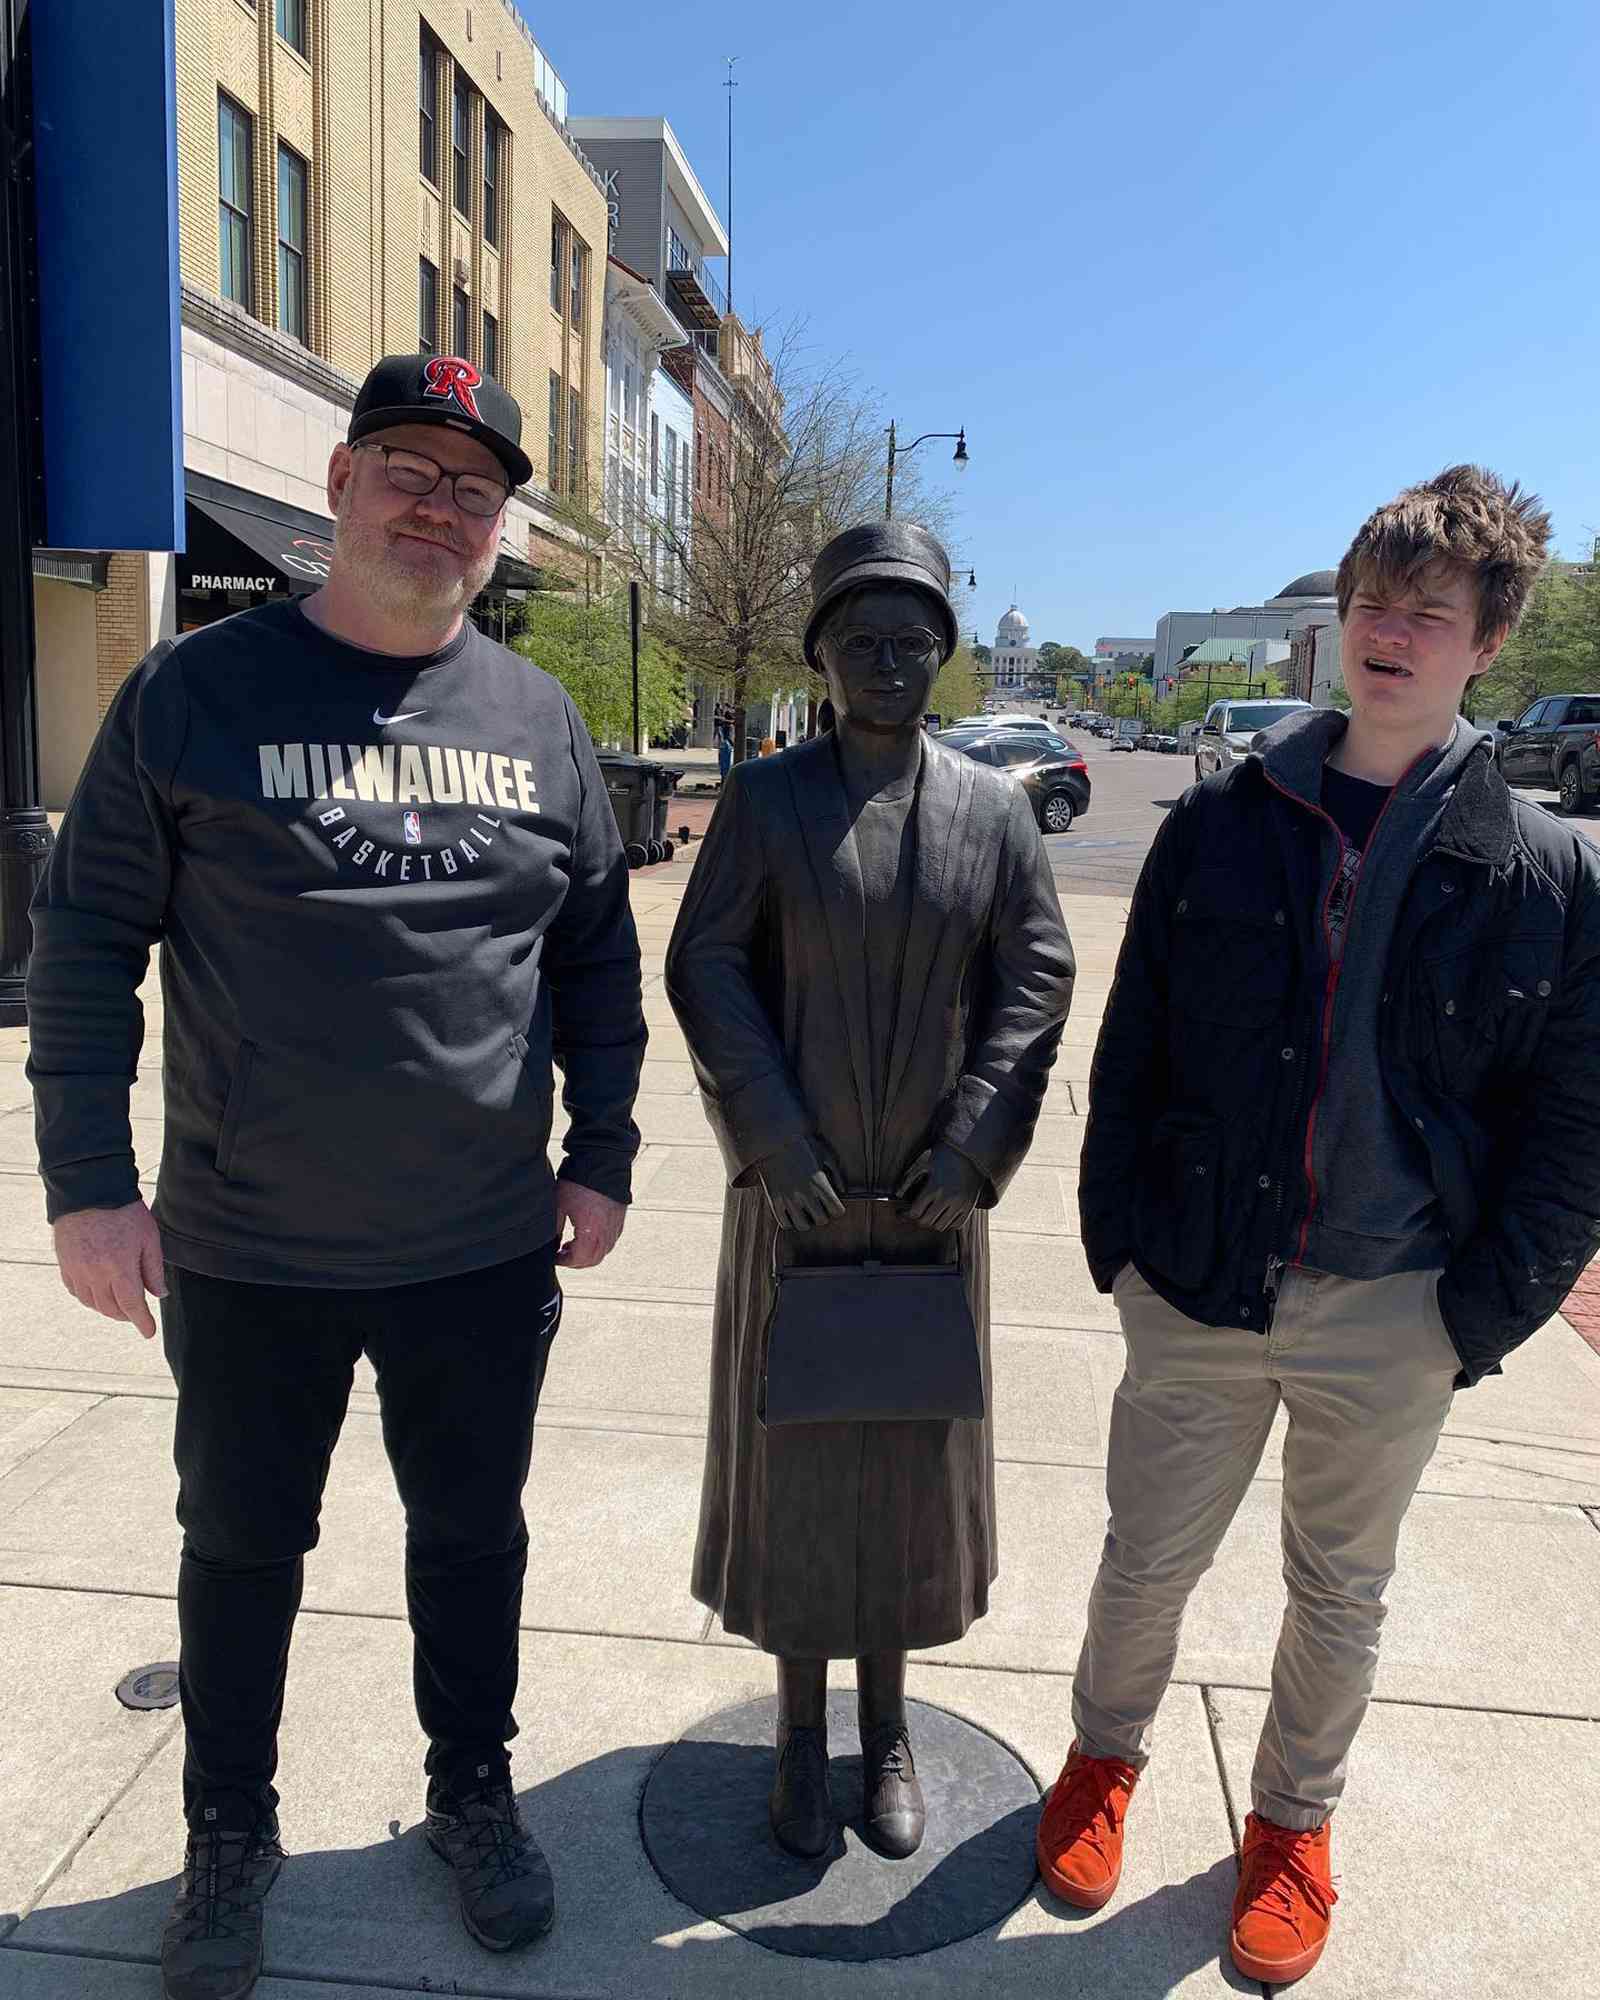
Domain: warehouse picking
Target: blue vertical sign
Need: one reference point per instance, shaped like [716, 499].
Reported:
[106, 179]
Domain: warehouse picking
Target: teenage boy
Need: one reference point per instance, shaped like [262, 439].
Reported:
[1309, 1176]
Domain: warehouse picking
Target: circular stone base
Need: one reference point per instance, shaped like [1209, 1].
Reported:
[705, 1827]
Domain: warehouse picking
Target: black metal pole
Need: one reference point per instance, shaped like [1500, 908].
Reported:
[25, 837]
[633, 626]
[888, 488]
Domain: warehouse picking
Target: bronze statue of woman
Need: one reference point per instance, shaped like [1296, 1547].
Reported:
[872, 974]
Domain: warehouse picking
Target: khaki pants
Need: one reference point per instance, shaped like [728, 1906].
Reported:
[1364, 1369]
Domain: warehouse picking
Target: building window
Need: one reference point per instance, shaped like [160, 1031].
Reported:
[558, 260]
[234, 203]
[428, 109]
[460, 128]
[699, 461]
[491, 178]
[428, 308]
[553, 458]
[683, 470]
[655, 454]
[580, 258]
[574, 443]
[672, 476]
[292, 23]
[460, 322]
[292, 243]
[491, 345]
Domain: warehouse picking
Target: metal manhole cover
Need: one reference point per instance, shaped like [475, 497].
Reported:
[150, 1687]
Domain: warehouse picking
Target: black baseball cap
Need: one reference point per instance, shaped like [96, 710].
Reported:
[443, 389]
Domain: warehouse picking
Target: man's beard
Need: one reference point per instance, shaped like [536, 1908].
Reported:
[368, 553]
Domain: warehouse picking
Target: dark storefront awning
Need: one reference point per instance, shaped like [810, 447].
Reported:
[245, 541]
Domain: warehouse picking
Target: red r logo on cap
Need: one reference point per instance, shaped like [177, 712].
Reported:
[453, 380]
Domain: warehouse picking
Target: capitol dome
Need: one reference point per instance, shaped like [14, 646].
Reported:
[1315, 583]
[1013, 627]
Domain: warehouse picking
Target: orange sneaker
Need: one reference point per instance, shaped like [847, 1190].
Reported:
[1079, 1842]
[1285, 1900]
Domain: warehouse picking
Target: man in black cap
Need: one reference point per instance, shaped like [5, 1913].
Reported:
[872, 975]
[379, 857]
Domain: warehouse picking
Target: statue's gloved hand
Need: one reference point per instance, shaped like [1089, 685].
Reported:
[941, 1189]
[802, 1188]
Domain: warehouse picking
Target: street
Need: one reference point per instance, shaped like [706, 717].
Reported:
[1103, 854]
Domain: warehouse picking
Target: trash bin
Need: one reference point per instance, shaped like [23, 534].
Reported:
[639, 790]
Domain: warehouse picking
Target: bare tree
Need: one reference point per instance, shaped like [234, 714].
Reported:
[807, 460]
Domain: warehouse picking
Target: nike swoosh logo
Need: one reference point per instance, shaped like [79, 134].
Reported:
[404, 716]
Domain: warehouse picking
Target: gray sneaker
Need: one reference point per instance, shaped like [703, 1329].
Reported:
[503, 1881]
[211, 1947]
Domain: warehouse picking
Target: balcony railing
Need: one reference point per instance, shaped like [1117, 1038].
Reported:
[701, 297]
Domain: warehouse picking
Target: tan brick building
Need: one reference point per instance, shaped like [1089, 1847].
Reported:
[356, 178]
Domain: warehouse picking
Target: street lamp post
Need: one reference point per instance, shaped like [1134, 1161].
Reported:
[899, 451]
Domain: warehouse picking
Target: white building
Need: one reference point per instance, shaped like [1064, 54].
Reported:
[649, 424]
[1016, 661]
[1306, 603]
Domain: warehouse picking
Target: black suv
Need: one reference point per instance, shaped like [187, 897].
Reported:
[1049, 768]
[1555, 747]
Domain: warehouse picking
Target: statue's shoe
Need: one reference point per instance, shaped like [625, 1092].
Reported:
[801, 1805]
[894, 1815]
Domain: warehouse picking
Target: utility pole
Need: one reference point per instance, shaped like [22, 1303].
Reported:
[633, 629]
[730, 86]
[25, 838]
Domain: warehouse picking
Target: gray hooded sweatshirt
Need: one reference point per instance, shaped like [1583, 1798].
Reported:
[1374, 1210]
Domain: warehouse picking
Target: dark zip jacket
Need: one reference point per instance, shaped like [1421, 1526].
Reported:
[389, 894]
[1211, 1052]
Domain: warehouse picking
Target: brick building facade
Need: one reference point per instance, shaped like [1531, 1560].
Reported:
[356, 178]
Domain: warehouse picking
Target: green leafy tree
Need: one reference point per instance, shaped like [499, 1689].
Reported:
[1555, 648]
[1190, 699]
[1068, 670]
[587, 646]
[958, 690]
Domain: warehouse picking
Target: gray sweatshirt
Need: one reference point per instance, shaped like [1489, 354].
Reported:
[388, 895]
[1374, 1208]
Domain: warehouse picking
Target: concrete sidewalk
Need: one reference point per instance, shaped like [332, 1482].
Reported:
[1464, 1849]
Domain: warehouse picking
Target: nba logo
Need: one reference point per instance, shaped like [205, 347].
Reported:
[412, 822]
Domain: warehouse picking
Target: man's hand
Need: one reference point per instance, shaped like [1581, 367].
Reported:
[942, 1189]
[109, 1258]
[800, 1190]
[596, 1224]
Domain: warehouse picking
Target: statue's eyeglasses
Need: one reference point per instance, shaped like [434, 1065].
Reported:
[414, 472]
[860, 644]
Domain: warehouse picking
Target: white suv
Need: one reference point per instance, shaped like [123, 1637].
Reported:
[1231, 727]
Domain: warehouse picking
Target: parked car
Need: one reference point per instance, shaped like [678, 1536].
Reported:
[1049, 768]
[1230, 729]
[1123, 743]
[1555, 747]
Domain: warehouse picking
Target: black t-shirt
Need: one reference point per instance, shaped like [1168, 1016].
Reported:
[1353, 805]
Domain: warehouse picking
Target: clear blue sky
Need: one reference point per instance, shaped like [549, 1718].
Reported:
[1203, 284]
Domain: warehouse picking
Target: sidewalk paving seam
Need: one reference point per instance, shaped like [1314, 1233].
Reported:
[92, 1399]
[928, 1660]
[1214, 1731]
[336, 1981]
[63, 1863]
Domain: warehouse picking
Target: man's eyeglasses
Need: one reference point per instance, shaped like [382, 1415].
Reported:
[413, 472]
[861, 644]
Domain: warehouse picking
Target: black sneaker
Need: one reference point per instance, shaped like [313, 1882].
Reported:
[503, 1881]
[211, 1947]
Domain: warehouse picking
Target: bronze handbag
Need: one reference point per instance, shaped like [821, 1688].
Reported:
[870, 1343]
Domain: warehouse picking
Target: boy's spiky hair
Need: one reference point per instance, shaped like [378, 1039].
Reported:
[1468, 518]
